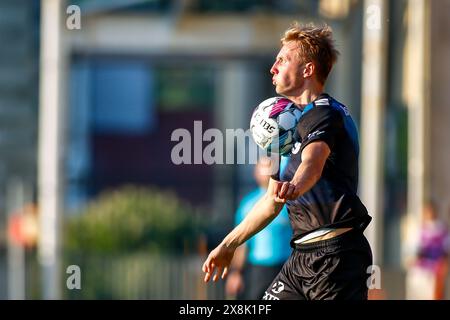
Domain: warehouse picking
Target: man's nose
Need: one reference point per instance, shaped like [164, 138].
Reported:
[273, 70]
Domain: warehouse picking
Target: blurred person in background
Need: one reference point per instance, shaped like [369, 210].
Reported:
[257, 262]
[431, 264]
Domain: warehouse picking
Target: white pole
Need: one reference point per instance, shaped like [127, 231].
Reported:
[51, 114]
[415, 95]
[372, 115]
[415, 98]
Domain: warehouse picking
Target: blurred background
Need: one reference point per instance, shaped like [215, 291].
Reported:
[91, 91]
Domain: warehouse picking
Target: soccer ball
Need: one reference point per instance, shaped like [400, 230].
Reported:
[273, 124]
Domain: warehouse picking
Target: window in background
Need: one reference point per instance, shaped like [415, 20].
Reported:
[123, 98]
[182, 88]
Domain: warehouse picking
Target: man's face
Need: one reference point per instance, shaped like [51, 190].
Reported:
[287, 71]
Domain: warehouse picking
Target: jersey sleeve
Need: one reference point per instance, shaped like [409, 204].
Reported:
[320, 124]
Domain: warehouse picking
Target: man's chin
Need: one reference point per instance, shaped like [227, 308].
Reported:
[280, 92]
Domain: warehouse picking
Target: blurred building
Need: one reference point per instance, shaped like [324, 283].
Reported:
[139, 69]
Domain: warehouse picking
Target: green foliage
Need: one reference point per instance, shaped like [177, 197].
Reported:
[133, 219]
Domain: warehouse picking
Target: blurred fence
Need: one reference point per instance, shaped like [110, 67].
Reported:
[141, 276]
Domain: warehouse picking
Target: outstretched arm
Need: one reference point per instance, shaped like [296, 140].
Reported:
[265, 210]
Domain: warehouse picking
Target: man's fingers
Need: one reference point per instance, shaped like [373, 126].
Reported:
[225, 272]
[279, 200]
[217, 274]
[208, 268]
[205, 269]
[287, 192]
[284, 188]
[277, 187]
[290, 193]
[207, 264]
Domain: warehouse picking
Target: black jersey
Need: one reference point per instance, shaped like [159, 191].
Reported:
[332, 201]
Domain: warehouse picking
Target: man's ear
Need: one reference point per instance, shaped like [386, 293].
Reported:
[309, 70]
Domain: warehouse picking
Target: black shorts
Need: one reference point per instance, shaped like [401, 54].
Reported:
[330, 269]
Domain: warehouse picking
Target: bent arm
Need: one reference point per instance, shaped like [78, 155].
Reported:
[308, 173]
[310, 170]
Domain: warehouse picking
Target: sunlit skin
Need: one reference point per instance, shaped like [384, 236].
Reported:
[295, 79]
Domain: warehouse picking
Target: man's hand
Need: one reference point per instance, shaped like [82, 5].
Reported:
[219, 258]
[284, 191]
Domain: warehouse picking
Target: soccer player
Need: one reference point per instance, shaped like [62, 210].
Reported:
[319, 186]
